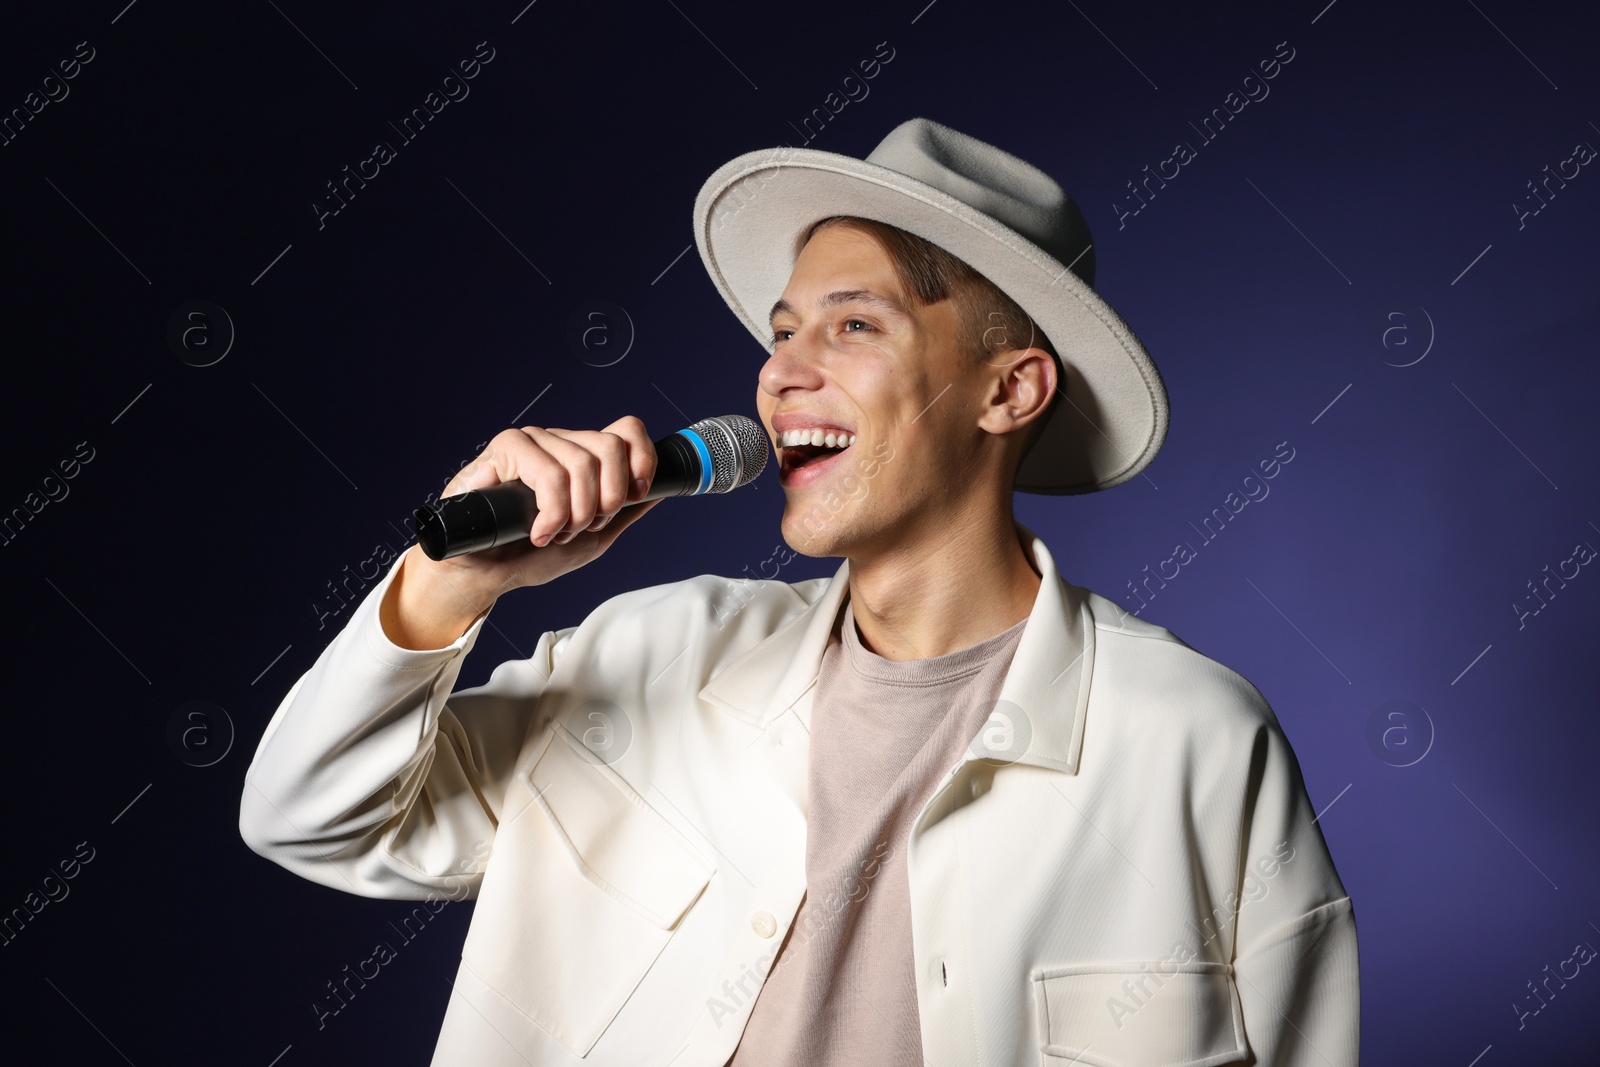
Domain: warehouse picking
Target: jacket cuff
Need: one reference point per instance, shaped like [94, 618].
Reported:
[392, 655]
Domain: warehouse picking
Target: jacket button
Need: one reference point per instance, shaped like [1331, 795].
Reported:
[763, 923]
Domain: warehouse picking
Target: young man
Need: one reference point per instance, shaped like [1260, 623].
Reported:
[945, 807]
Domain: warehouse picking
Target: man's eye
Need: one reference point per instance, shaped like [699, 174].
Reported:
[856, 322]
[779, 335]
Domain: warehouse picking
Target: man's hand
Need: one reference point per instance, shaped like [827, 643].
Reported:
[582, 478]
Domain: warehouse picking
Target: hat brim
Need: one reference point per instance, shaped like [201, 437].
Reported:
[1112, 417]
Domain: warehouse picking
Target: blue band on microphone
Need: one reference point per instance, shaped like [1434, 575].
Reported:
[705, 460]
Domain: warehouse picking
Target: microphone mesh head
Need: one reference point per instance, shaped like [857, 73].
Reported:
[739, 450]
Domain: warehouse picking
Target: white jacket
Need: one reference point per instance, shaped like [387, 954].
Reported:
[1143, 886]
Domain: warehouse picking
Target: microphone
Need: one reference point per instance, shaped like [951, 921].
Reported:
[714, 455]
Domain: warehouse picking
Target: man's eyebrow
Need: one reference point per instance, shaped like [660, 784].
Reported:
[844, 296]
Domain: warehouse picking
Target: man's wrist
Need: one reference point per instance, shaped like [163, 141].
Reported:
[422, 611]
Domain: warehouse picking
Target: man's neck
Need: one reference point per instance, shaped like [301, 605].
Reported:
[943, 591]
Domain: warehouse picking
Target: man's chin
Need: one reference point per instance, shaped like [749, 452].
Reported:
[812, 528]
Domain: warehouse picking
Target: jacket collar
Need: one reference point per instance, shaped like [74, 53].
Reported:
[1048, 680]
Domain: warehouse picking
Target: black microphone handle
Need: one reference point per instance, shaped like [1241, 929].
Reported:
[487, 518]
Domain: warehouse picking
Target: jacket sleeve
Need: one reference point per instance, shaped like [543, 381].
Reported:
[367, 780]
[1295, 962]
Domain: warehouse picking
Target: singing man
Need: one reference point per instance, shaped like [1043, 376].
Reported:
[944, 807]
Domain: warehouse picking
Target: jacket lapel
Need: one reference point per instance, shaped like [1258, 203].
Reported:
[776, 676]
[770, 678]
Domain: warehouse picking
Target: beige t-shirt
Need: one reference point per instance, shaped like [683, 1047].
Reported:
[884, 733]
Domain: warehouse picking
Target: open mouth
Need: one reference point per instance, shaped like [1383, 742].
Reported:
[810, 449]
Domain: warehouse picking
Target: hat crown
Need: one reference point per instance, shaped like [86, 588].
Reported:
[1009, 190]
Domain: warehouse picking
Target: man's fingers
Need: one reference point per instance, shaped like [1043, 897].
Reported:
[641, 453]
[613, 480]
[582, 478]
[495, 464]
[573, 497]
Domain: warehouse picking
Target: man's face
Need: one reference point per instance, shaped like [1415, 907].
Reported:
[854, 356]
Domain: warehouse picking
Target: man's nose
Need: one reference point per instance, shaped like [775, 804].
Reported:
[792, 365]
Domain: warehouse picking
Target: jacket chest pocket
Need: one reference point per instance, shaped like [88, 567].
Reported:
[1139, 1015]
[585, 886]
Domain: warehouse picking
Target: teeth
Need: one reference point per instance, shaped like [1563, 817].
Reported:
[819, 438]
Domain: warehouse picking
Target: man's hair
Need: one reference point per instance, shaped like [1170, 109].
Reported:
[991, 322]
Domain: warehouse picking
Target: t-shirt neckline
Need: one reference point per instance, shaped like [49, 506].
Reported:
[933, 670]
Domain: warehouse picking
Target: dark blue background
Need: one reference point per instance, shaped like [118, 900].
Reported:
[1317, 244]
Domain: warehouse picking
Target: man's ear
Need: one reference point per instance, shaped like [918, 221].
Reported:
[1023, 383]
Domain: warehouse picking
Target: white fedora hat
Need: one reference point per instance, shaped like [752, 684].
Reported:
[1006, 219]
